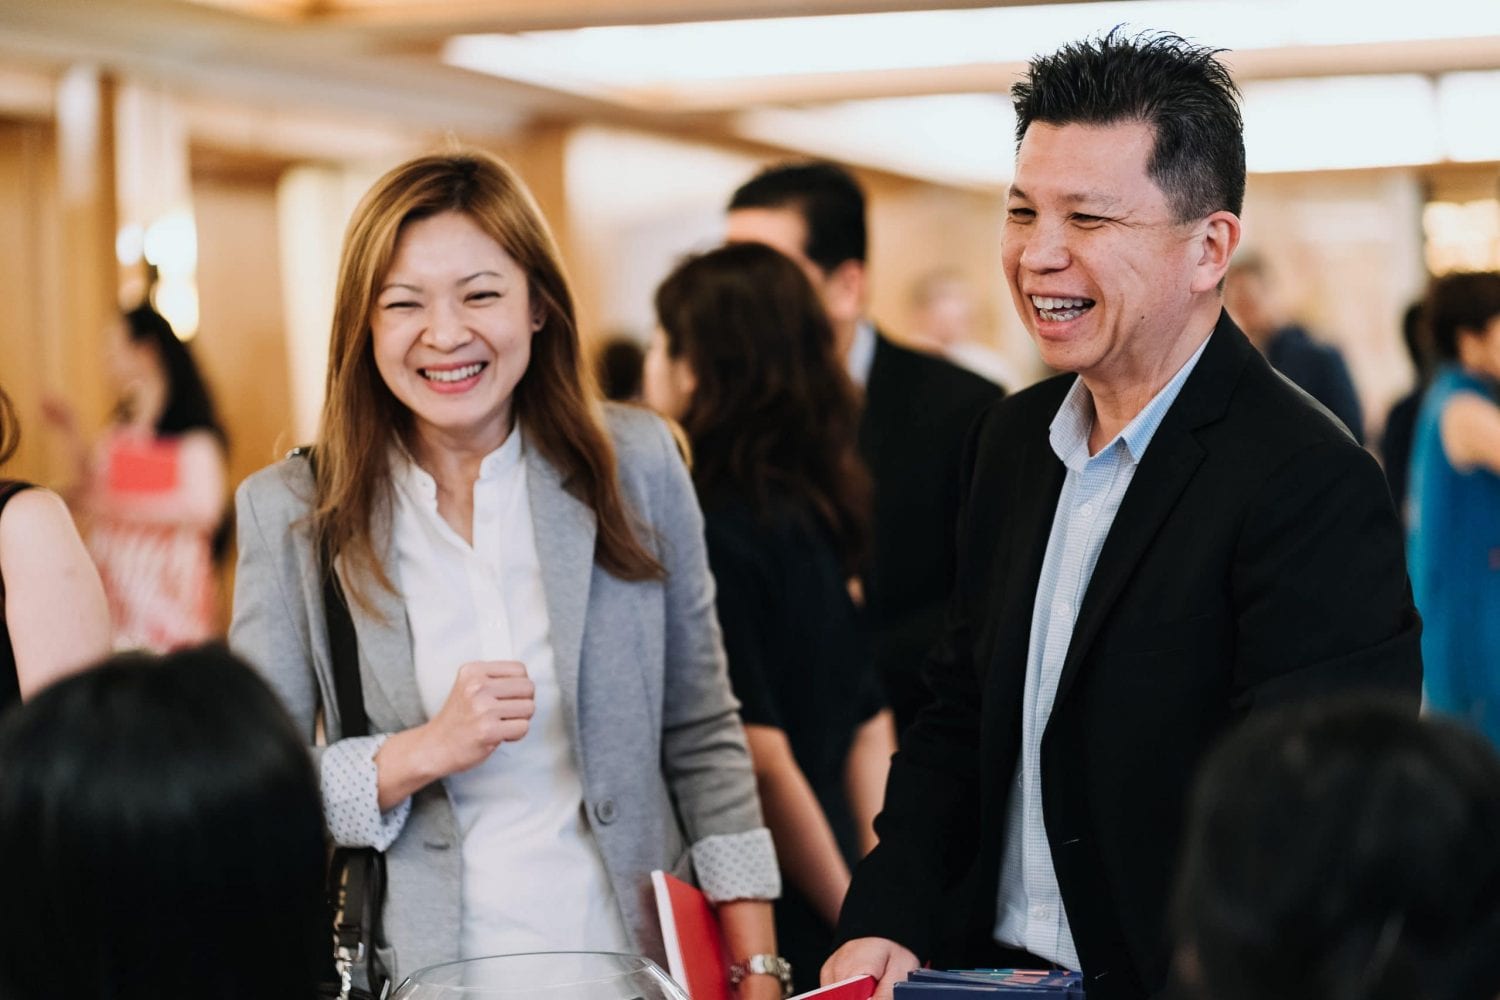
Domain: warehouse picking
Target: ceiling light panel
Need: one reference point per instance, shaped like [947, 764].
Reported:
[632, 57]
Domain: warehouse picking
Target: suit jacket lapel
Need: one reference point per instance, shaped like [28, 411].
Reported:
[385, 660]
[1037, 491]
[1172, 457]
[564, 527]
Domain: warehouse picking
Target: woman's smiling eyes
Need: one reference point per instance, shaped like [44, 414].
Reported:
[473, 297]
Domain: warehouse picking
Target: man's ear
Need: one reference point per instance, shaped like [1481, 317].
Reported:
[844, 292]
[1214, 241]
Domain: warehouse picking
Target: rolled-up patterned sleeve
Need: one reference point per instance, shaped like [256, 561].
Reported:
[737, 866]
[351, 797]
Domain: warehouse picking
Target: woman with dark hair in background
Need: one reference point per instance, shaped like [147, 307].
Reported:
[744, 359]
[151, 496]
[1345, 849]
[1454, 544]
[549, 712]
[160, 837]
[53, 617]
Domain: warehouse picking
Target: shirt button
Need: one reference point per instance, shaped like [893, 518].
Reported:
[604, 811]
[1087, 510]
[1062, 609]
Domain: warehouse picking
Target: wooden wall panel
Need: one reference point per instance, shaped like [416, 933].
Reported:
[28, 323]
[241, 344]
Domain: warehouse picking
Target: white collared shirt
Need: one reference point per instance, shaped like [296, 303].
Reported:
[861, 357]
[1029, 913]
[533, 877]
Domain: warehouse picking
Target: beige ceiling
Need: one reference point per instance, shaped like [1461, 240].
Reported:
[377, 63]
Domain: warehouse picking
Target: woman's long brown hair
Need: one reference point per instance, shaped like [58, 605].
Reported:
[361, 418]
[773, 414]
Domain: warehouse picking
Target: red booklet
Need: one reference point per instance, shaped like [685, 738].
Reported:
[853, 988]
[696, 957]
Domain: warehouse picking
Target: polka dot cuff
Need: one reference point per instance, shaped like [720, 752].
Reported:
[351, 797]
[737, 866]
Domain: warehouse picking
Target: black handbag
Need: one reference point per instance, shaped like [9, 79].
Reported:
[356, 875]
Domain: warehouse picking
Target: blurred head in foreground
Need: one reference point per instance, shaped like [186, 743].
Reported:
[160, 836]
[1343, 851]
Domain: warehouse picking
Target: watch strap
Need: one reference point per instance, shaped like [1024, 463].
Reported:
[763, 965]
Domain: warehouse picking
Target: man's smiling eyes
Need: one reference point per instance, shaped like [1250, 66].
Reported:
[1085, 219]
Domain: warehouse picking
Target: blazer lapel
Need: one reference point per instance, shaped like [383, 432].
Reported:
[1169, 463]
[385, 661]
[1037, 490]
[564, 527]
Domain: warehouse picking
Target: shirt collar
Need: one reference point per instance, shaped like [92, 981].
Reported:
[1069, 430]
[861, 353]
[418, 483]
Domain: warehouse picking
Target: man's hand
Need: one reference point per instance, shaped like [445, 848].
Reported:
[882, 958]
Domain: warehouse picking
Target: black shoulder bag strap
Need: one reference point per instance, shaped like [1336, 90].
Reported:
[356, 875]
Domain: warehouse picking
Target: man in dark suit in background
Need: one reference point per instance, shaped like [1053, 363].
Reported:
[1147, 551]
[917, 409]
[1255, 304]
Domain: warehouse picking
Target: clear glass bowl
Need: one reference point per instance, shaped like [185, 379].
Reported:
[544, 975]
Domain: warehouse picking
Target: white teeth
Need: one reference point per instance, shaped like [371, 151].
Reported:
[1055, 310]
[453, 374]
[1047, 302]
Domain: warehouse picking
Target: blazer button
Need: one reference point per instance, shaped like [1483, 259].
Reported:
[604, 811]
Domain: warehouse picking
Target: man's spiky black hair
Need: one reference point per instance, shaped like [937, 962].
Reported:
[1160, 79]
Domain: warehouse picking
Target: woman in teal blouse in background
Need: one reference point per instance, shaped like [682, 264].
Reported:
[1454, 549]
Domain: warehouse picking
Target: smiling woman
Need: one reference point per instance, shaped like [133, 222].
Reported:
[452, 332]
[527, 577]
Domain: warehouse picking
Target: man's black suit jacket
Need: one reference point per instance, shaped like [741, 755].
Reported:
[1255, 557]
[917, 412]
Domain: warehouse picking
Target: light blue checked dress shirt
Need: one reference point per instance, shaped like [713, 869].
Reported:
[1030, 913]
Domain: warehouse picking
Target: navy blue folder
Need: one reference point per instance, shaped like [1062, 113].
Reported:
[990, 984]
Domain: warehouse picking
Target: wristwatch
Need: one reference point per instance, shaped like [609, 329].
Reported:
[763, 965]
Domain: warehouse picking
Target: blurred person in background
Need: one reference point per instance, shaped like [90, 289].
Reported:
[945, 320]
[744, 358]
[916, 413]
[151, 493]
[1454, 545]
[550, 712]
[1254, 301]
[1401, 421]
[617, 367]
[53, 616]
[1342, 849]
[160, 837]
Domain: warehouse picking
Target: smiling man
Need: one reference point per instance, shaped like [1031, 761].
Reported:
[1157, 543]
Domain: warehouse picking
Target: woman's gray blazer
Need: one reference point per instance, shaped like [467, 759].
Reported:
[640, 665]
